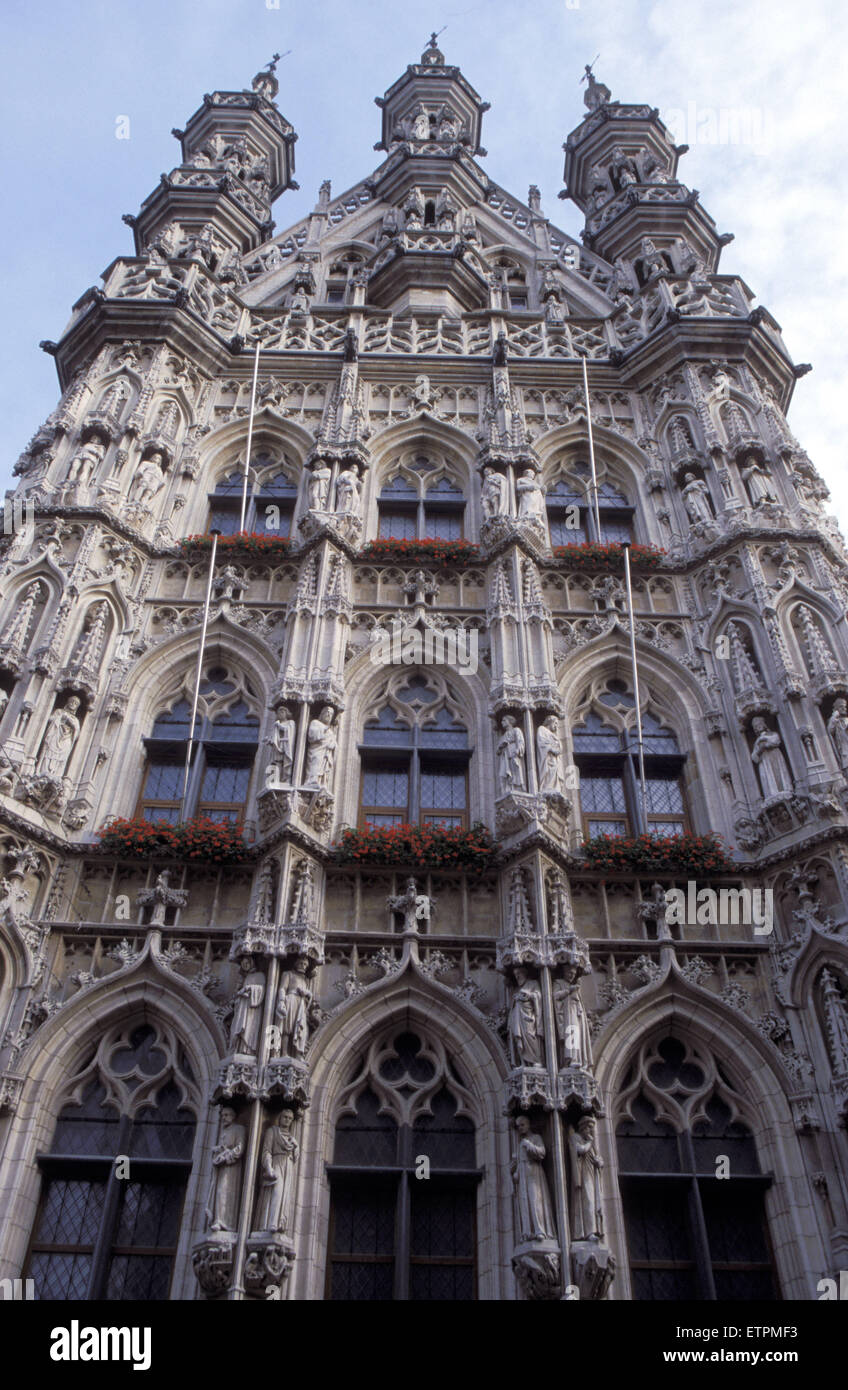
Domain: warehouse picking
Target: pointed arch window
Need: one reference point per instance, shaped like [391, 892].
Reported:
[98, 1235]
[394, 1236]
[414, 768]
[607, 757]
[409, 510]
[565, 504]
[690, 1234]
[270, 506]
[226, 741]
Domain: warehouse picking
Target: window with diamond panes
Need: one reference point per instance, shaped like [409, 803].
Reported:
[571, 515]
[411, 511]
[97, 1236]
[225, 745]
[691, 1235]
[414, 773]
[607, 757]
[394, 1236]
[270, 506]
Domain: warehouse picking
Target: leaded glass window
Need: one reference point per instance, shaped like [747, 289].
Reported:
[270, 504]
[410, 510]
[606, 754]
[98, 1235]
[414, 762]
[691, 1234]
[393, 1235]
[225, 742]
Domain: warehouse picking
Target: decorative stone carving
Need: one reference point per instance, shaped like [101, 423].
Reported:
[277, 1168]
[415, 908]
[160, 897]
[533, 1202]
[292, 1010]
[767, 756]
[222, 1203]
[587, 1221]
[282, 741]
[549, 756]
[247, 1016]
[321, 750]
[512, 774]
[525, 1021]
[63, 729]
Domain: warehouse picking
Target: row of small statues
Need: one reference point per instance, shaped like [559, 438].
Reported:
[321, 743]
[524, 1022]
[294, 1011]
[511, 754]
[148, 478]
[277, 1168]
[533, 1199]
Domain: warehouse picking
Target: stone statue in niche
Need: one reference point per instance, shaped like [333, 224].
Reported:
[756, 480]
[837, 728]
[319, 487]
[494, 494]
[531, 498]
[525, 1021]
[623, 171]
[549, 755]
[277, 1166]
[292, 1009]
[586, 1165]
[535, 1213]
[511, 771]
[62, 733]
[148, 480]
[85, 462]
[321, 749]
[767, 756]
[282, 741]
[247, 1017]
[348, 493]
[445, 211]
[222, 1205]
[572, 1024]
[421, 125]
[696, 500]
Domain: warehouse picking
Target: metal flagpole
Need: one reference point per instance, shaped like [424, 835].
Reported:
[625, 545]
[197, 679]
[249, 437]
[592, 453]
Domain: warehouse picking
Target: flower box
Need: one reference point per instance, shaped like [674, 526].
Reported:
[249, 544]
[690, 854]
[418, 847]
[200, 840]
[431, 548]
[594, 555]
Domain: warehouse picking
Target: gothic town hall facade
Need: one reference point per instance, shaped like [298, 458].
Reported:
[402, 896]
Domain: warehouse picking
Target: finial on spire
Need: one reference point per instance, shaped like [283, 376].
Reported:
[265, 83]
[596, 93]
[432, 55]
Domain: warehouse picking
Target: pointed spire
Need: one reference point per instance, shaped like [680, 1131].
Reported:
[819, 657]
[743, 672]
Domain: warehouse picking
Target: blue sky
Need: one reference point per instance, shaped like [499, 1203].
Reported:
[73, 68]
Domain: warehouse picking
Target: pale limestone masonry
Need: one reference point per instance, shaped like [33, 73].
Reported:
[422, 343]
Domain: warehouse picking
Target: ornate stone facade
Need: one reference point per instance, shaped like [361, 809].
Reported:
[506, 1032]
